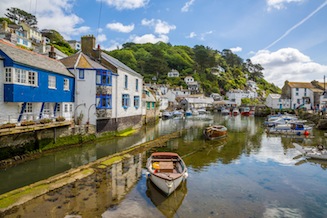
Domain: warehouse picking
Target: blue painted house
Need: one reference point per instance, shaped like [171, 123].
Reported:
[33, 86]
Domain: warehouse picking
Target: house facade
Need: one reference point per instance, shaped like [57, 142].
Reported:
[32, 86]
[93, 88]
[302, 94]
[126, 90]
[173, 73]
[237, 95]
[275, 101]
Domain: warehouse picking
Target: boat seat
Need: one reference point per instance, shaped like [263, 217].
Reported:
[166, 167]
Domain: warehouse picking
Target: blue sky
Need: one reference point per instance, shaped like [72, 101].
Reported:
[287, 37]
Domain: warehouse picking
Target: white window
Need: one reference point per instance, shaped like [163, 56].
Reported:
[28, 108]
[52, 82]
[46, 108]
[71, 108]
[66, 84]
[66, 108]
[20, 76]
[8, 75]
[32, 78]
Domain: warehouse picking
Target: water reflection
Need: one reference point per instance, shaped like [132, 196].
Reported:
[168, 206]
[247, 174]
[88, 197]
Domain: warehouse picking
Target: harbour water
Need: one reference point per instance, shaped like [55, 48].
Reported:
[247, 174]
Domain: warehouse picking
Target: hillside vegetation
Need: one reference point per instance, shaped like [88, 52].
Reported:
[154, 61]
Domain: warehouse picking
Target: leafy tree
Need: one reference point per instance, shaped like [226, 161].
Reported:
[17, 15]
[231, 59]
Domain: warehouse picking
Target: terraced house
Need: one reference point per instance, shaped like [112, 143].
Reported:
[33, 86]
[126, 91]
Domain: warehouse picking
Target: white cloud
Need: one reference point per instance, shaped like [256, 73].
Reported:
[101, 38]
[203, 35]
[119, 27]
[288, 64]
[187, 6]
[236, 49]
[192, 35]
[126, 4]
[279, 4]
[48, 11]
[160, 27]
[149, 38]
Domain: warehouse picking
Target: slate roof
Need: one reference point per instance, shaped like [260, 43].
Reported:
[307, 85]
[32, 59]
[116, 63]
[81, 61]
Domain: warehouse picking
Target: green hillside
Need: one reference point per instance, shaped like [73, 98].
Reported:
[154, 61]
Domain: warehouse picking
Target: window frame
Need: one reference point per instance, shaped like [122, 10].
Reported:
[52, 82]
[136, 101]
[104, 101]
[125, 101]
[81, 74]
[66, 84]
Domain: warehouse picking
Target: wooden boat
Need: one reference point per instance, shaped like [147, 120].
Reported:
[290, 129]
[166, 170]
[215, 132]
[318, 152]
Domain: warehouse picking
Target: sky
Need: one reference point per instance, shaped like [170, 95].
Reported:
[287, 37]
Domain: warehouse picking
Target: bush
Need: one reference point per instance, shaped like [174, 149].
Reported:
[7, 125]
[45, 120]
[27, 123]
[60, 119]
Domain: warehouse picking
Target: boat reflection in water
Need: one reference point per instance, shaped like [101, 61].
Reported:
[168, 206]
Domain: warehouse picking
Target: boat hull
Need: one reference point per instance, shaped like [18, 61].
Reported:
[166, 170]
[313, 153]
[215, 132]
[166, 186]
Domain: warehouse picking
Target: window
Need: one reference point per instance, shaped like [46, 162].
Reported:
[28, 108]
[8, 75]
[125, 101]
[46, 109]
[58, 107]
[298, 101]
[153, 104]
[32, 78]
[126, 81]
[136, 101]
[104, 101]
[104, 78]
[148, 105]
[137, 85]
[66, 84]
[70, 107]
[20, 76]
[297, 89]
[66, 108]
[81, 74]
[52, 82]
[297, 94]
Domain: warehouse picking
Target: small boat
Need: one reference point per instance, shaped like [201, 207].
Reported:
[245, 111]
[188, 113]
[202, 111]
[166, 170]
[225, 111]
[195, 112]
[178, 114]
[318, 152]
[167, 115]
[215, 132]
[294, 128]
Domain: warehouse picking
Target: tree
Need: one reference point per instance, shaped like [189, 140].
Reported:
[17, 15]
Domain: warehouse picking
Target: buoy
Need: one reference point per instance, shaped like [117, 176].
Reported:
[306, 132]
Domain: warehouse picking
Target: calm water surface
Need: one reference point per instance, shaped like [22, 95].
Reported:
[248, 174]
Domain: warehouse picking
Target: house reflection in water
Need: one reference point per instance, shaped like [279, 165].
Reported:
[87, 197]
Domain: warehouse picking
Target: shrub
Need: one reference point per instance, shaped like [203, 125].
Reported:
[27, 123]
[45, 120]
[60, 118]
[7, 125]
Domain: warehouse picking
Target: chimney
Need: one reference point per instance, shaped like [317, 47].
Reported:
[88, 44]
[52, 53]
